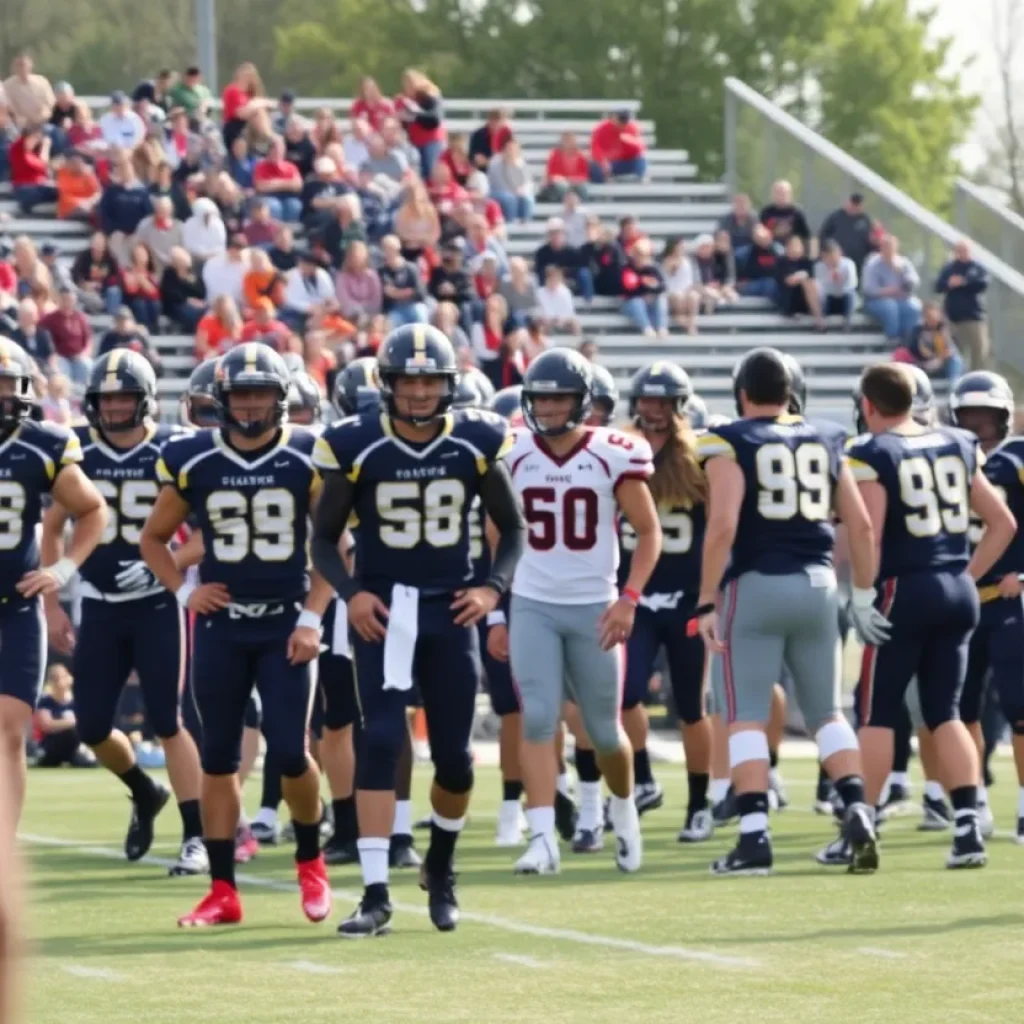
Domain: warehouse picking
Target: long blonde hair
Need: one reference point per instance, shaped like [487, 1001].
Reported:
[678, 480]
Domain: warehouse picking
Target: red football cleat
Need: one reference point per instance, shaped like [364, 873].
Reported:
[220, 905]
[315, 889]
[246, 845]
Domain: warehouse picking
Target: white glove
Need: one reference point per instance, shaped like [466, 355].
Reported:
[134, 577]
[871, 625]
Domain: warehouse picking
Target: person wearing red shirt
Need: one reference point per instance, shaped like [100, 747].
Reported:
[72, 338]
[456, 159]
[482, 204]
[489, 138]
[29, 158]
[279, 183]
[264, 326]
[618, 149]
[420, 111]
[567, 168]
[371, 104]
[244, 103]
[444, 192]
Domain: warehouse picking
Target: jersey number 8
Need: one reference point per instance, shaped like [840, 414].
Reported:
[938, 493]
[794, 483]
[265, 526]
[404, 525]
[12, 514]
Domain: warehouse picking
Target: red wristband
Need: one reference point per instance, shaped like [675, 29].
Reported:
[631, 595]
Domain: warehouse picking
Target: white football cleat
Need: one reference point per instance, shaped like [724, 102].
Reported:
[192, 859]
[629, 844]
[510, 824]
[542, 857]
[986, 822]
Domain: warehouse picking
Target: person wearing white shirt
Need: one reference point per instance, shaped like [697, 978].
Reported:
[120, 125]
[575, 218]
[556, 304]
[308, 288]
[682, 283]
[224, 273]
[204, 234]
[354, 146]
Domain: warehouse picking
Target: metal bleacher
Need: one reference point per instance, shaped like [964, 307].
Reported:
[671, 203]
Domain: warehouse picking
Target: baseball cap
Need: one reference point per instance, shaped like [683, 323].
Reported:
[287, 96]
[49, 249]
[857, 198]
[118, 96]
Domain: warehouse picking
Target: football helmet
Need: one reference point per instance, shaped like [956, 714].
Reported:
[357, 387]
[660, 379]
[121, 372]
[17, 365]
[982, 389]
[604, 394]
[303, 400]
[251, 367]
[559, 371]
[417, 350]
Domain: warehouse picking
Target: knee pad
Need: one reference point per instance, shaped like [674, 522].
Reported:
[376, 764]
[750, 745]
[538, 727]
[834, 737]
[293, 766]
[218, 761]
[92, 736]
[936, 716]
[455, 774]
[169, 729]
[606, 737]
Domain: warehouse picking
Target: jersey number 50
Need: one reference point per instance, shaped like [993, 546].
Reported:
[578, 518]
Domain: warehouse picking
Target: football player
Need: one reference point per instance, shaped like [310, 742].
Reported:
[303, 400]
[410, 475]
[604, 397]
[35, 459]
[982, 403]
[508, 402]
[251, 485]
[774, 481]
[569, 619]
[919, 484]
[128, 620]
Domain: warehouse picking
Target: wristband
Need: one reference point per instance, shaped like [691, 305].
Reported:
[631, 595]
[62, 570]
[308, 620]
[496, 618]
[184, 593]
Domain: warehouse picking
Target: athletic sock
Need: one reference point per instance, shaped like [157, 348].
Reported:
[345, 826]
[773, 758]
[373, 860]
[934, 790]
[850, 790]
[965, 805]
[1020, 802]
[698, 783]
[589, 817]
[753, 812]
[271, 795]
[642, 775]
[222, 860]
[982, 796]
[586, 766]
[403, 818]
[823, 777]
[562, 785]
[719, 790]
[444, 833]
[266, 816]
[899, 779]
[307, 841]
[140, 785]
[541, 821]
[511, 790]
[191, 819]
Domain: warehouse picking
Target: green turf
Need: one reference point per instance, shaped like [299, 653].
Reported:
[915, 943]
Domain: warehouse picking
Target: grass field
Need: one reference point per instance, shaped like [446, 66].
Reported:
[913, 943]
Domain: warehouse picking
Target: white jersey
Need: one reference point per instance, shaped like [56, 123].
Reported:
[572, 545]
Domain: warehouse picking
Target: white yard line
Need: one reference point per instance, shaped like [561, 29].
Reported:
[470, 917]
[93, 973]
[520, 961]
[882, 954]
[311, 967]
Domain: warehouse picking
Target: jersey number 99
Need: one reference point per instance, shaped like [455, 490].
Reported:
[264, 525]
[938, 494]
[411, 512]
[794, 483]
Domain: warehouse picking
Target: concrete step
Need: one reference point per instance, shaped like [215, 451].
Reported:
[723, 362]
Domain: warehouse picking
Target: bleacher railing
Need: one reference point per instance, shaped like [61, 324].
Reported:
[993, 224]
[763, 143]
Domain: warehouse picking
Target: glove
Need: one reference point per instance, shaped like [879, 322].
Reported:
[871, 625]
[134, 577]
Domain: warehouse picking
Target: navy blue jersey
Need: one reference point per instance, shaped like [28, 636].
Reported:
[126, 477]
[414, 503]
[927, 479]
[682, 544]
[1004, 468]
[790, 468]
[30, 459]
[252, 508]
[479, 549]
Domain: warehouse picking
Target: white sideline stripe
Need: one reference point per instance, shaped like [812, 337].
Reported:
[94, 973]
[521, 961]
[882, 954]
[311, 967]
[501, 923]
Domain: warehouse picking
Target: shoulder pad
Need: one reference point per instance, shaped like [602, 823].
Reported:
[336, 449]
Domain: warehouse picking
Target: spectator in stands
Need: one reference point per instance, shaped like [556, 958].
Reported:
[62, 117]
[557, 311]
[488, 333]
[8, 136]
[204, 234]
[490, 138]
[386, 161]
[401, 286]
[419, 108]
[299, 148]
[220, 329]
[456, 158]
[282, 253]
[160, 233]
[125, 204]
[140, 289]
[191, 94]
[35, 340]
[568, 170]
[285, 110]
[617, 149]
[85, 136]
[783, 218]
[55, 720]
[78, 189]
[162, 85]
[95, 275]
[260, 229]
[120, 125]
[320, 194]
[355, 146]
[480, 243]
[643, 289]
[358, 285]
[757, 272]
[487, 278]
[963, 281]
[28, 96]
[740, 222]
[72, 338]
[604, 258]
[346, 227]
[481, 204]
[511, 182]
[682, 285]
[56, 403]
[931, 347]
[224, 274]
[444, 191]
[372, 105]
[850, 227]
[798, 293]
[308, 291]
[557, 250]
[889, 283]
[244, 106]
[60, 275]
[723, 273]
[30, 169]
[126, 333]
[519, 291]
[33, 275]
[447, 320]
[416, 222]
[377, 208]
[150, 155]
[264, 326]
[836, 277]
[182, 293]
[575, 218]
[262, 280]
[451, 282]
[278, 182]
[241, 165]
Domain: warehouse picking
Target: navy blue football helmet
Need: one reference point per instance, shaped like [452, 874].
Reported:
[200, 407]
[660, 379]
[251, 367]
[121, 372]
[357, 387]
[696, 412]
[604, 394]
[417, 350]
[982, 389]
[508, 401]
[303, 400]
[559, 371]
[797, 387]
[16, 365]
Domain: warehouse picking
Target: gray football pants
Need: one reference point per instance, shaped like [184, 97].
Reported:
[554, 648]
[768, 620]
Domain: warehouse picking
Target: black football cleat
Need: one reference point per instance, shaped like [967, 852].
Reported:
[591, 840]
[836, 855]
[725, 810]
[859, 835]
[698, 827]
[897, 796]
[752, 855]
[372, 916]
[402, 853]
[648, 797]
[339, 851]
[1020, 831]
[441, 899]
[968, 847]
[936, 816]
[565, 816]
[140, 827]
[823, 796]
